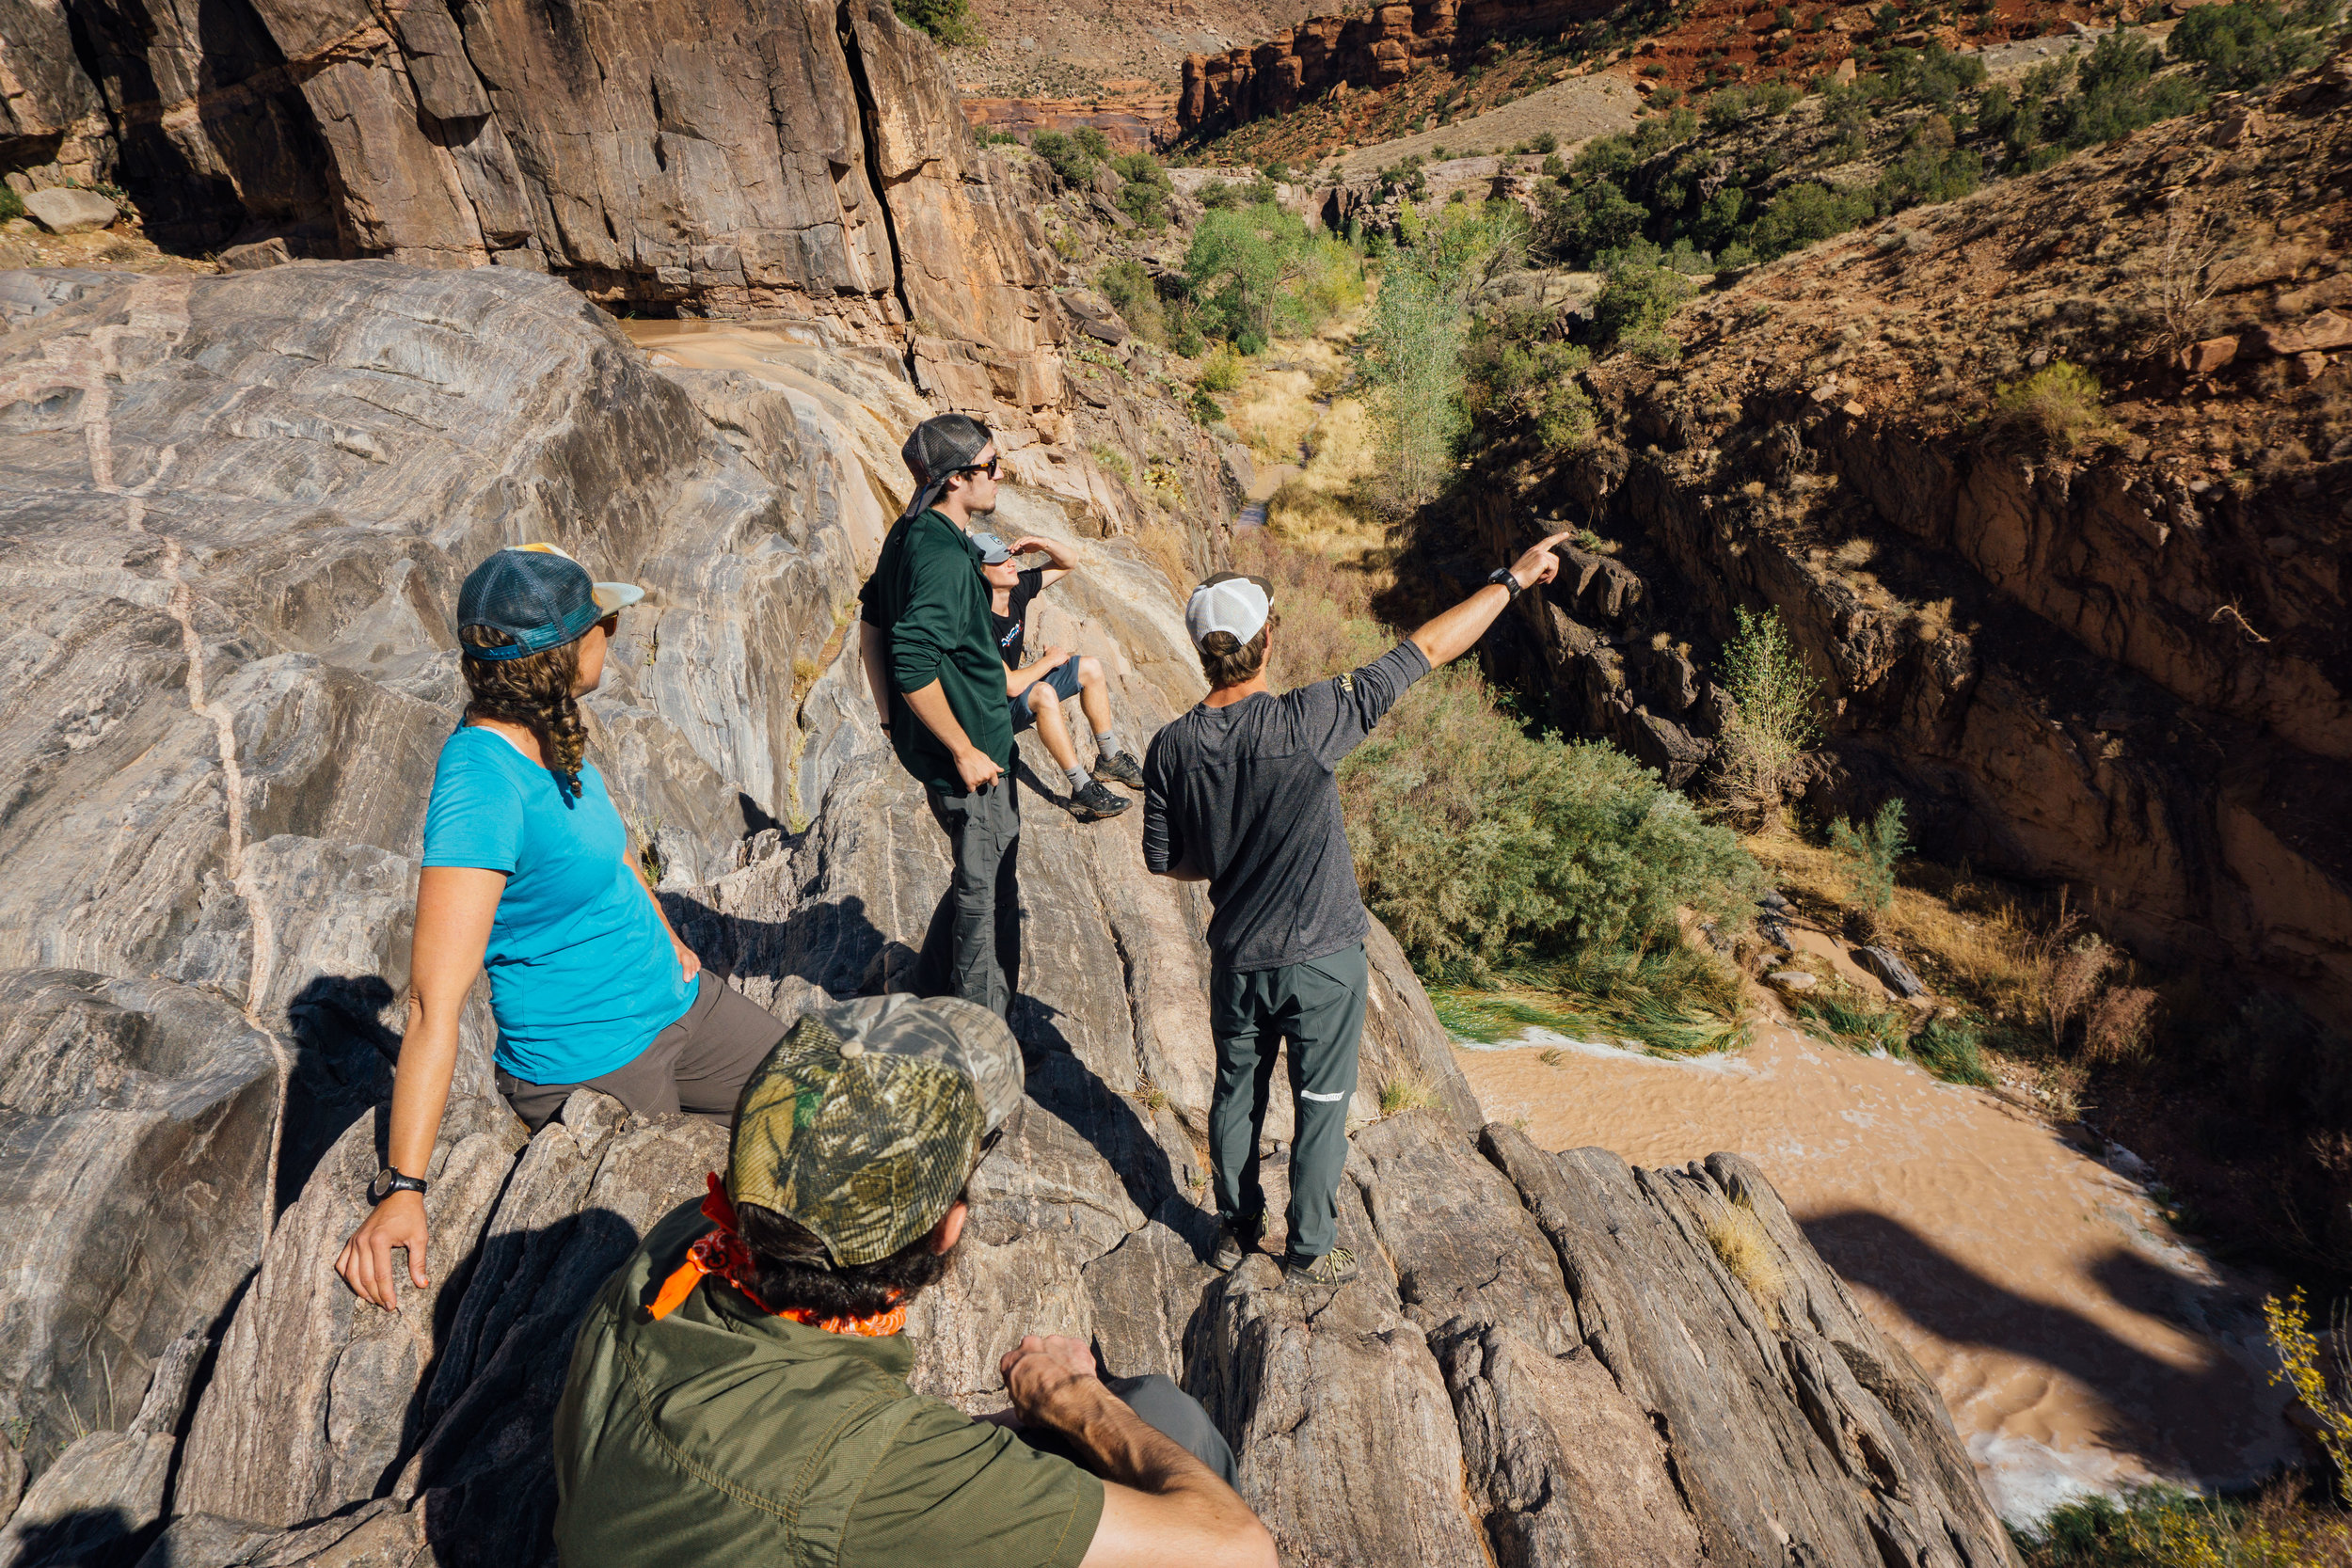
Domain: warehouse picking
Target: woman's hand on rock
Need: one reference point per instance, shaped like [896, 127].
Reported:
[366, 1263]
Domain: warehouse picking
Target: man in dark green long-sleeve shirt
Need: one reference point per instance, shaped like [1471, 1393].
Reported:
[938, 680]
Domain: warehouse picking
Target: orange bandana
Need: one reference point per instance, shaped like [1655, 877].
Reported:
[723, 1253]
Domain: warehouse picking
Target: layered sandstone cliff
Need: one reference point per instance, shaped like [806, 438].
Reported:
[1373, 49]
[237, 510]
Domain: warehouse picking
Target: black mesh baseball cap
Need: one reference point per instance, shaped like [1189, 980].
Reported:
[539, 596]
[936, 449]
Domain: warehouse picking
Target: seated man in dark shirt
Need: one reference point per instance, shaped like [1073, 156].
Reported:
[1242, 793]
[1038, 690]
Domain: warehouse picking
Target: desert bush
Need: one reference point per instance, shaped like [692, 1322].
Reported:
[2116, 1027]
[1221, 371]
[948, 20]
[12, 204]
[1129, 290]
[2242, 45]
[1144, 195]
[1726, 110]
[1771, 722]
[1064, 157]
[1869, 852]
[2057, 406]
[1774, 98]
[1805, 214]
[1637, 299]
[2074, 981]
[1521, 388]
[1485, 850]
[1545, 142]
[1092, 143]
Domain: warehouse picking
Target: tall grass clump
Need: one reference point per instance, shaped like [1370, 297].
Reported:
[1869, 852]
[1737, 1239]
[2060, 406]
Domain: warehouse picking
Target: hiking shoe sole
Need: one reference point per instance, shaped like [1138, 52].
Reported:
[1093, 803]
[1122, 769]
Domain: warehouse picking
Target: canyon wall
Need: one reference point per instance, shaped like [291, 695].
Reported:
[1373, 49]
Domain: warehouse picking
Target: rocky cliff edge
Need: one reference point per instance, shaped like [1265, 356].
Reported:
[234, 512]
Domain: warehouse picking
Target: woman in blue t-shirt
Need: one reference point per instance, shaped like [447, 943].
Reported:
[527, 873]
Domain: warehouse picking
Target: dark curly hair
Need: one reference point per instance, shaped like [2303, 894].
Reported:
[793, 1271]
[535, 691]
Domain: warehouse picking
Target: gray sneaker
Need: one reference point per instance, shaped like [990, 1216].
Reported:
[1122, 768]
[1231, 1247]
[1092, 803]
[1329, 1272]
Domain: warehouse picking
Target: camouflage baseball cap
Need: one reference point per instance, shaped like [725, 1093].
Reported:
[866, 1118]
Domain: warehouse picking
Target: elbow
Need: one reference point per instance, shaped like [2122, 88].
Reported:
[1251, 1545]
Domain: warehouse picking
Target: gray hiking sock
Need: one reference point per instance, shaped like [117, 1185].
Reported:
[1106, 743]
[1077, 777]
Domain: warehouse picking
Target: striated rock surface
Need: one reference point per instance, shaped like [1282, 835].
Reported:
[235, 513]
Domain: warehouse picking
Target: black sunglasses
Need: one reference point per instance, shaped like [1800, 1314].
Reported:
[988, 468]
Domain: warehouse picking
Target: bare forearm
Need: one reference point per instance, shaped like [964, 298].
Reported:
[930, 706]
[1451, 635]
[428, 1059]
[1129, 1450]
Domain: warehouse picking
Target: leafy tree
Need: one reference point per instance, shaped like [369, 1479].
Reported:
[1092, 143]
[1772, 722]
[1256, 271]
[2241, 45]
[1412, 343]
[1637, 299]
[1519, 386]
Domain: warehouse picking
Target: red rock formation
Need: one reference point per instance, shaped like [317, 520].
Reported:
[1132, 121]
[1373, 50]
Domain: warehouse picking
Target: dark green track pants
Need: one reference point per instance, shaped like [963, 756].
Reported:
[1318, 1006]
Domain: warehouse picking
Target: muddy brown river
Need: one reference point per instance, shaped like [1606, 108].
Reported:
[2078, 1342]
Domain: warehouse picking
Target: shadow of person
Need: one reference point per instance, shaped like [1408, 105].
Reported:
[2208, 1410]
[343, 1055]
[104, 1537]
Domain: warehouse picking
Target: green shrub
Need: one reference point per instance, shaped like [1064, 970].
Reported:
[1206, 410]
[1092, 143]
[1581, 221]
[2059, 404]
[1637, 298]
[1932, 74]
[948, 20]
[1146, 203]
[2242, 45]
[1545, 142]
[1129, 290]
[1221, 371]
[1774, 98]
[12, 204]
[1806, 213]
[1484, 849]
[1726, 109]
[1064, 157]
[1868, 853]
[1521, 388]
[1952, 1050]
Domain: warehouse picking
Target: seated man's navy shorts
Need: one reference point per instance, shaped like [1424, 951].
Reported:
[1063, 679]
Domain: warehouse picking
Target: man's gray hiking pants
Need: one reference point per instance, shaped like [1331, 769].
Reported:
[1318, 1006]
[973, 948]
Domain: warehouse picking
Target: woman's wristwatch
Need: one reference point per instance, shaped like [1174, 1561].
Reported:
[1503, 575]
[388, 1181]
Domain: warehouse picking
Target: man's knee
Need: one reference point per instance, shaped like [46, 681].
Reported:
[1180, 1418]
[1041, 698]
[1090, 671]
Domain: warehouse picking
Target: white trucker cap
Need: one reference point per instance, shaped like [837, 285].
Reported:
[1228, 602]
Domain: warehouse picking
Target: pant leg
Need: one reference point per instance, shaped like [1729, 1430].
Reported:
[723, 1045]
[973, 947]
[647, 1084]
[1168, 1410]
[1237, 1102]
[1179, 1417]
[1323, 1009]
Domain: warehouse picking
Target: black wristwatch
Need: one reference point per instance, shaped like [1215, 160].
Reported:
[1503, 575]
[388, 1181]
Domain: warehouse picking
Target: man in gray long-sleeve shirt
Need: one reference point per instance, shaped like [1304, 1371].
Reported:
[1241, 793]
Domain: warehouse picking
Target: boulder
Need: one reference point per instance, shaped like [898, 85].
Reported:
[2327, 329]
[1890, 971]
[63, 211]
[2208, 357]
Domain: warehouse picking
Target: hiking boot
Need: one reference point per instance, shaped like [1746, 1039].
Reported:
[1231, 1247]
[1329, 1272]
[1122, 768]
[1092, 803]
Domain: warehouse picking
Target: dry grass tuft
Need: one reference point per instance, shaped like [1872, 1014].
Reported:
[1326, 506]
[1164, 549]
[1272, 412]
[1741, 1245]
[1406, 1091]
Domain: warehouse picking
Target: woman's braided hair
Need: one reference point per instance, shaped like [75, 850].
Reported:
[535, 691]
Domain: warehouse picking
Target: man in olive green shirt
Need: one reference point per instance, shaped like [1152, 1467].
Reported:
[737, 1391]
[938, 681]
